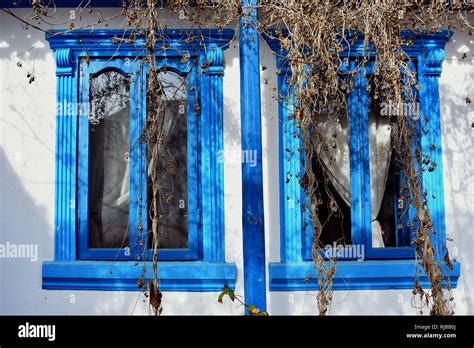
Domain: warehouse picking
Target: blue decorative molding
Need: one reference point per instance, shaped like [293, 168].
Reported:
[205, 189]
[290, 273]
[64, 64]
[100, 42]
[253, 228]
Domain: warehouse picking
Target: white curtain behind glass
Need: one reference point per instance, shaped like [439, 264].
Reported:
[335, 157]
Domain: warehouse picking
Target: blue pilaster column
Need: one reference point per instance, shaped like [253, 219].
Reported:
[252, 181]
[432, 177]
[66, 147]
[211, 146]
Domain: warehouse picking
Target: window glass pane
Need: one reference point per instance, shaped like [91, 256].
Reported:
[172, 200]
[109, 166]
[334, 188]
[390, 209]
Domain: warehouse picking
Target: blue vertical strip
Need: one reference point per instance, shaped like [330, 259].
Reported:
[252, 181]
[359, 160]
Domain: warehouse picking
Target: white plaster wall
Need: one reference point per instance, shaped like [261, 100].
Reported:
[27, 145]
[27, 138]
[457, 117]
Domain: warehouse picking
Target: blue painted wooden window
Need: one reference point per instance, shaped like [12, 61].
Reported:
[386, 267]
[348, 228]
[101, 228]
[112, 170]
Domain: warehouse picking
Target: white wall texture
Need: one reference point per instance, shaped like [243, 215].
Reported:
[27, 138]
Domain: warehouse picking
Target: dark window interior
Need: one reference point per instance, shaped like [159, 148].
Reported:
[172, 200]
[109, 165]
[336, 223]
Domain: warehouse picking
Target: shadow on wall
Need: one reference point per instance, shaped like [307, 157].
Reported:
[22, 222]
[457, 116]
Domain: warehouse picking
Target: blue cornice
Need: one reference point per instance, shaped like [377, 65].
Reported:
[422, 42]
[180, 39]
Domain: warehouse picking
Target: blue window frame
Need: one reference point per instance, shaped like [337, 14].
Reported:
[359, 103]
[382, 268]
[199, 265]
[138, 166]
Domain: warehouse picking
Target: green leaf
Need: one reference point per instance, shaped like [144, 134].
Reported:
[221, 295]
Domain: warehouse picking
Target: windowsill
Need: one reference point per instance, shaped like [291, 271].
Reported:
[123, 275]
[353, 275]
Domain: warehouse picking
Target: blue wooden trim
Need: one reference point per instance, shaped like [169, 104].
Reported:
[253, 226]
[72, 155]
[354, 275]
[123, 275]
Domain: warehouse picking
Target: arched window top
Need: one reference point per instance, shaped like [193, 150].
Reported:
[109, 93]
[108, 70]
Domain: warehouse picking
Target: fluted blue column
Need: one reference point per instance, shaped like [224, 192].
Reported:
[211, 149]
[66, 147]
[429, 72]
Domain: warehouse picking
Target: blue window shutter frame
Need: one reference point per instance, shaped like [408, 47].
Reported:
[253, 227]
[390, 268]
[209, 272]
